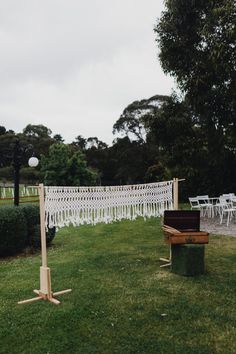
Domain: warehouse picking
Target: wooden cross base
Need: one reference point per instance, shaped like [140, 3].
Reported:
[167, 261]
[45, 292]
[49, 297]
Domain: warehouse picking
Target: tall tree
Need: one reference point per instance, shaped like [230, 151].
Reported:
[134, 121]
[197, 41]
[65, 167]
[39, 136]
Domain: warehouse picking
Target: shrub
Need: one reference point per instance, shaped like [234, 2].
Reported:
[31, 213]
[35, 238]
[13, 230]
[33, 225]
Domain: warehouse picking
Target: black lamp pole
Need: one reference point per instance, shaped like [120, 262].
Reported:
[16, 166]
[17, 157]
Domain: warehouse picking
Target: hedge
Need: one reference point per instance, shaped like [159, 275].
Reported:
[20, 227]
[33, 225]
[13, 230]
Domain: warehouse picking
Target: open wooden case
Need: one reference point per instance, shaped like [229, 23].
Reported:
[183, 227]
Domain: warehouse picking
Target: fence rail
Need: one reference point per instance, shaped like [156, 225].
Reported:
[27, 194]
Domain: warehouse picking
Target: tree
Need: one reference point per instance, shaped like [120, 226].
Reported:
[197, 42]
[6, 148]
[58, 138]
[80, 142]
[39, 137]
[37, 131]
[2, 130]
[128, 162]
[139, 148]
[64, 167]
[134, 121]
[181, 144]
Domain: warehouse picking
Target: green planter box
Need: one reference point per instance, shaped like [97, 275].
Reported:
[188, 259]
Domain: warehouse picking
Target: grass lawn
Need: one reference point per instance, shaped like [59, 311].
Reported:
[119, 296]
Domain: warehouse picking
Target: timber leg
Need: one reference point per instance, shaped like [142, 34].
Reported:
[45, 292]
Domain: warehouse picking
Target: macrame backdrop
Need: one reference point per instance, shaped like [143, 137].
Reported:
[92, 205]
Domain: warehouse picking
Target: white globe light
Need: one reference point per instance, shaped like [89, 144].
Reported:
[33, 162]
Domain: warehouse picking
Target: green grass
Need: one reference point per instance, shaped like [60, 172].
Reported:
[119, 295]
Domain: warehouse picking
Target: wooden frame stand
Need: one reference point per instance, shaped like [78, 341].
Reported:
[45, 292]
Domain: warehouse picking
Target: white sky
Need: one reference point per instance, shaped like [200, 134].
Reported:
[75, 65]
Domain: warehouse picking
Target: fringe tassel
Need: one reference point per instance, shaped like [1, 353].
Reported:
[92, 205]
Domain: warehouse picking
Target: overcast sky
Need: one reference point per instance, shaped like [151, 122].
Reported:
[74, 65]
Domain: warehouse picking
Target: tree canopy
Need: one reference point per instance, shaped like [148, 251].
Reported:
[64, 167]
[197, 41]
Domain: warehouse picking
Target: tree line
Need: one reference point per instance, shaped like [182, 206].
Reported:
[190, 134]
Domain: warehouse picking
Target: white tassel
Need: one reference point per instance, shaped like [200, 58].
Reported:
[91, 205]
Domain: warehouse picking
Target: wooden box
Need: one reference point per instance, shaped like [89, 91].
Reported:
[183, 227]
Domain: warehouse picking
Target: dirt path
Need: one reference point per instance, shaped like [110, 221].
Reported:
[212, 225]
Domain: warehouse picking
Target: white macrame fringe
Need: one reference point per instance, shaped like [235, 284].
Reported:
[92, 205]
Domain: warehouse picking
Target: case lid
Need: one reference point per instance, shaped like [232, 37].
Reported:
[183, 220]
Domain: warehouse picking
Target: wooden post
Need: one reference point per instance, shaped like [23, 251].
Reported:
[42, 226]
[176, 207]
[176, 193]
[45, 291]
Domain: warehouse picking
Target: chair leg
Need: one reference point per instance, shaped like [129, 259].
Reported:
[228, 218]
[221, 217]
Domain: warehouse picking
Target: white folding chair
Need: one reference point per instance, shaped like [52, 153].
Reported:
[194, 203]
[206, 206]
[226, 208]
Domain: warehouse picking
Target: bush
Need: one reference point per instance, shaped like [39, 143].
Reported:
[31, 213]
[33, 225]
[13, 230]
[35, 238]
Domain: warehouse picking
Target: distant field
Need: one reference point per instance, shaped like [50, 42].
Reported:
[119, 296]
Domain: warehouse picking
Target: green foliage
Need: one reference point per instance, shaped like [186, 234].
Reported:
[31, 213]
[2, 130]
[32, 217]
[6, 141]
[134, 121]
[6, 173]
[65, 167]
[197, 47]
[37, 131]
[135, 155]
[39, 137]
[128, 161]
[29, 175]
[13, 230]
[35, 236]
[58, 138]
[157, 172]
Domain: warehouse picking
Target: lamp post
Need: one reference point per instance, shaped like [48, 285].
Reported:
[18, 152]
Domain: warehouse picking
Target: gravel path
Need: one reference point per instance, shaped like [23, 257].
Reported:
[212, 225]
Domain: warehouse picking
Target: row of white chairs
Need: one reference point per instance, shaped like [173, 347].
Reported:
[225, 205]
